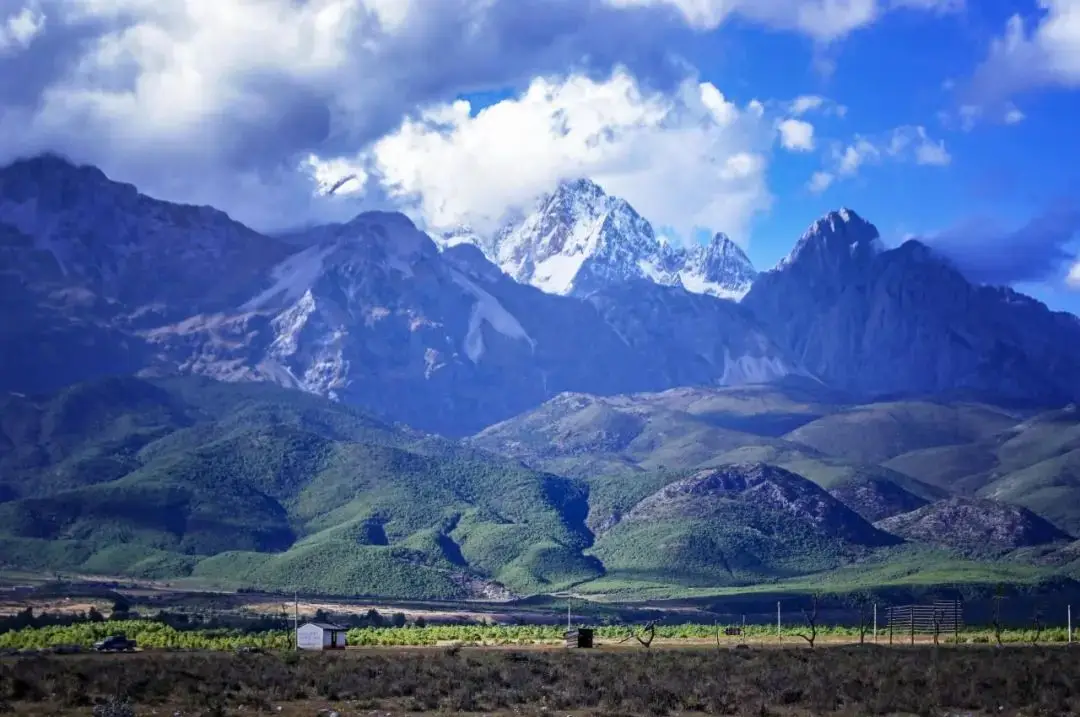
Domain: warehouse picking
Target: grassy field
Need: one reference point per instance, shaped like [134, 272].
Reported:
[152, 636]
[837, 680]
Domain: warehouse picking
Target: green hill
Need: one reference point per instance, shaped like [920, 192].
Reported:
[581, 435]
[250, 485]
[272, 488]
[734, 525]
[877, 432]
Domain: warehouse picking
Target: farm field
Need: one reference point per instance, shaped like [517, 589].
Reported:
[152, 635]
[829, 681]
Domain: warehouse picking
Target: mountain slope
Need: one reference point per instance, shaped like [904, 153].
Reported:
[372, 314]
[242, 482]
[975, 526]
[578, 240]
[368, 312]
[904, 321]
[732, 525]
[582, 435]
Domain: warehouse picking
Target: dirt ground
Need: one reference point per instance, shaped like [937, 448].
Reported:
[610, 680]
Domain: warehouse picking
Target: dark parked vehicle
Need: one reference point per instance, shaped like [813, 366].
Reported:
[115, 643]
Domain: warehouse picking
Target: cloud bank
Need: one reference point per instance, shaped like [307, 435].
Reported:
[1040, 250]
[226, 101]
[687, 159]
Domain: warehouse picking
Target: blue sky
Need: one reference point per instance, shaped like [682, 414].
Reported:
[752, 117]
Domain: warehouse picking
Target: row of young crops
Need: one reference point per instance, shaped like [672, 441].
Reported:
[151, 635]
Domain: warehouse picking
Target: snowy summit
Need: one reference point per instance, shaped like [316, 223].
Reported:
[579, 239]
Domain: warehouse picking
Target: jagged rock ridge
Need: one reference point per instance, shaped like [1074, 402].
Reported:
[369, 312]
[579, 239]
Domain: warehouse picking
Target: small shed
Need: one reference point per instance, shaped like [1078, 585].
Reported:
[321, 636]
[579, 637]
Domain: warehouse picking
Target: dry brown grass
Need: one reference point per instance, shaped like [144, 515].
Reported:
[835, 680]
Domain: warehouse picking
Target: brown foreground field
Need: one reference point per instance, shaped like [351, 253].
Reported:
[374, 682]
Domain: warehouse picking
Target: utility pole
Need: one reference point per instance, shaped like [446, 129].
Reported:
[875, 623]
[1070, 624]
[296, 621]
[568, 614]
[779, 636]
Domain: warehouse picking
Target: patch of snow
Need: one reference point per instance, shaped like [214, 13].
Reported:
[752, 369]
[697, 284]
[293, 277]
[556, 274]
[487, 309]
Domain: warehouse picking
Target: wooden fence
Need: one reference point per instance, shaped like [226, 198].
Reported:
[944, 617]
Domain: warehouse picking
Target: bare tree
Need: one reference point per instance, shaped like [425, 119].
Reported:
[646, 636]
[811, 622]
[863, 604]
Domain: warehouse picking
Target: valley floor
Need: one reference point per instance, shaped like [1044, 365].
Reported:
[378, 682]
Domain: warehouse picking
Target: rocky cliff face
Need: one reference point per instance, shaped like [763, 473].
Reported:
[905, 321]
[101, 280]
[371, 313]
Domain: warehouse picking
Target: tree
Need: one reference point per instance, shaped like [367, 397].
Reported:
[420, 622]
[647, 635]
[398, 619]
[811, 622]
[120, 608]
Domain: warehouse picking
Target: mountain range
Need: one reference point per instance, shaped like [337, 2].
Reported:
[191, 397]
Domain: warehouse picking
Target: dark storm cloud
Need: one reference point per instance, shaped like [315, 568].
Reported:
[1037, 251]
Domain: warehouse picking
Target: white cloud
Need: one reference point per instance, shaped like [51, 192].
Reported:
[1024, 57]
[217, 101]
[805, 104]
[820, 181]
[796, 135]
[1073, 279]
[932, 154]
[823, 20]
[1013, 115]
[907, 144]
[687, 160]
[19, 29]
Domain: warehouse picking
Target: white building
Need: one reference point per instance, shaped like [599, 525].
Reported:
[320, 636]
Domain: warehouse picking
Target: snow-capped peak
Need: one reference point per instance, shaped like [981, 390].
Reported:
[836, 240]
[579, 239]
[719, 268]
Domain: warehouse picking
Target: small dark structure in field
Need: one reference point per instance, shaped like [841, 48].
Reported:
[579, 637]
